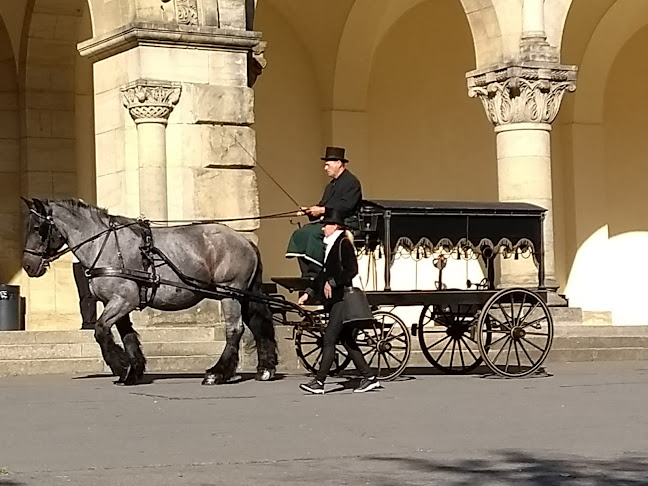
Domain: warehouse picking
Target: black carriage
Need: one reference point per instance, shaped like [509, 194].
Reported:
[510, 330]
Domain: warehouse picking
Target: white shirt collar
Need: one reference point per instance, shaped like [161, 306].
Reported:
[329, 240]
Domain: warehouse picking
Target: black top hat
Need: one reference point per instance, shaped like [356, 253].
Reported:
[333, 216]
[335, 153]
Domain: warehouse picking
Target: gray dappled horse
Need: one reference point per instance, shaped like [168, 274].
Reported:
[211, 253]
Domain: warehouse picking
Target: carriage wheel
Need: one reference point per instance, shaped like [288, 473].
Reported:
[447, 337]
[515, 332]
[386, 345]
[308, 344]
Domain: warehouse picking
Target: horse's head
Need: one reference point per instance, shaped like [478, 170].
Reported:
[42, 238]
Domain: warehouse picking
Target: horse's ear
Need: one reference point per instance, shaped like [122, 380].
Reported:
[28, 202]
[40, 207]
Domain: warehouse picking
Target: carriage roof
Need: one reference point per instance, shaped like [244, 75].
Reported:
[452, 207]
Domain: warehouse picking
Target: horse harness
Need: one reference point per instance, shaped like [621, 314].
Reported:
[148, 279]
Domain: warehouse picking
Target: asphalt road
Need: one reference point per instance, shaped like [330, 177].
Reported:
[585, 424]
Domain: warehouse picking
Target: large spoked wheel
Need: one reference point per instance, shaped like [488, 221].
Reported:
[309, 340]
[447, 337]
[515, 332]
[386, 345]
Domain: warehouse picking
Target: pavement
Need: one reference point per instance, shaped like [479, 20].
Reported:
[579, 424]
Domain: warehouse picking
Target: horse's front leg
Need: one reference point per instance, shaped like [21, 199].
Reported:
[114, 356]
[225, 368]
[136, 359]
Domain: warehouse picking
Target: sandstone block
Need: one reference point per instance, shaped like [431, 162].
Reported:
[217, 104]
[227, 68]
[227, 193]
[9, 155]
[232, 14]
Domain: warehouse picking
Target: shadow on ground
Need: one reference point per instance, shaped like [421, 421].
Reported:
[10, 482]
[150, 378]
[521, 469]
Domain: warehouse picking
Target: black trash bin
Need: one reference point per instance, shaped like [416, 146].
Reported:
[9, 308]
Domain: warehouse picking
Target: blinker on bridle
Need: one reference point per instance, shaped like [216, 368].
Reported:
[45, 230]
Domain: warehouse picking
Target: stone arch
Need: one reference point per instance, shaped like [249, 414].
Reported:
[56, 136]
[619, 24]
[57, 115]
[10, 251]
[366, 26]
[288, 123]
[604, 149]
[418, 113]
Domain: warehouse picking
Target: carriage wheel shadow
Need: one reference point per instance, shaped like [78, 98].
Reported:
[411, 372]
[525, 469]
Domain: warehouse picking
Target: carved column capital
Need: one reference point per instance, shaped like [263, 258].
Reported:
[151, 101]
[522, 93]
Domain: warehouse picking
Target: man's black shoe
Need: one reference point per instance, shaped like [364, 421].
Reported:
[313, 386]
[368, 384]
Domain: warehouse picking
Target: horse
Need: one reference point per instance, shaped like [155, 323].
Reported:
[118, 254]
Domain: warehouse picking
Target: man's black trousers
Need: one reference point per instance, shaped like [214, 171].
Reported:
[87, 301]
[335, 331]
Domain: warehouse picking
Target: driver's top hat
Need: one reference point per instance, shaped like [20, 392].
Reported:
[335, 153]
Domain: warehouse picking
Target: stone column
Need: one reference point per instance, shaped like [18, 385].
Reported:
[533, 20]
[522, 101]
[150, 104]
[198, 164]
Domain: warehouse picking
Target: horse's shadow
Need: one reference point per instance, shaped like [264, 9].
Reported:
[152, 378]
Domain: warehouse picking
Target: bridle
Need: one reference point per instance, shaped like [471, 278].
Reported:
[45, 231]
[48, 227]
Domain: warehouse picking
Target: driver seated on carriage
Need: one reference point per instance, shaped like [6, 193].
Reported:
[343, 194]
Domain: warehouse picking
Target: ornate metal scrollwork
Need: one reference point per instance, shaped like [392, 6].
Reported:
[464, 249]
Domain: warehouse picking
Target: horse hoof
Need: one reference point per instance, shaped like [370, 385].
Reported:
[123, 377]
[130, 381]
[209, 380]
[265, 375]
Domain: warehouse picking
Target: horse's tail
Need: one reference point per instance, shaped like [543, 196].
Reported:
[260, 323]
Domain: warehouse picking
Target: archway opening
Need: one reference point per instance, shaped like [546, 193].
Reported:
[57, 137]
[10, 241]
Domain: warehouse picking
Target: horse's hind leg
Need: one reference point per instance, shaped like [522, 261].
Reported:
[258, 318]
[113, 355]
[225, 368]
[136, 359]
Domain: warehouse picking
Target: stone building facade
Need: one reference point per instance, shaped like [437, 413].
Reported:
[186, 109]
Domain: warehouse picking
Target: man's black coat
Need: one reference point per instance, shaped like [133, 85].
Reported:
[343, 194]
[339, 269]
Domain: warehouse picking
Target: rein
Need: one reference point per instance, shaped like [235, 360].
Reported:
[286, 214]
[153, 280]
[114, 228]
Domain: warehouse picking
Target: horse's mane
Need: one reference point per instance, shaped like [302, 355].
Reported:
[100, 215]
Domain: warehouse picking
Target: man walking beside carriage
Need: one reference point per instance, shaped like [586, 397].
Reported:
[330, 286]
[343, 194]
